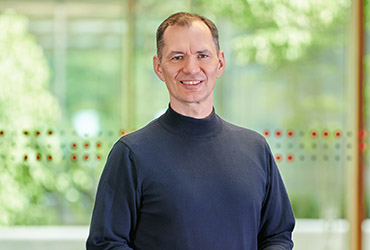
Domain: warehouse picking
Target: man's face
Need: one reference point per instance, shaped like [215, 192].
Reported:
[190, 64]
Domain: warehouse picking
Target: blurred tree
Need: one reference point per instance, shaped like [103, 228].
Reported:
[29, 155]
[271, 32]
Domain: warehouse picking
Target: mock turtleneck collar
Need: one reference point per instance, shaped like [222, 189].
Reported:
[189, 126]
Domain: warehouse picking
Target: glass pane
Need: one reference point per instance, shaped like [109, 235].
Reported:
[286, 77]
[64, 106]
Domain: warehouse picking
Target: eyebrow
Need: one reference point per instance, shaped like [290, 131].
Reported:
[174, 52]
[205, 51]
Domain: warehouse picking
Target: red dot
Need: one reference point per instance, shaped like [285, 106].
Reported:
[278, 133]
[74, 158]
[74, 145]
[87, 145]
[37, 133]
[290, 133]
[98, 145]
[25, 132]
[38, 157]
[98, 157]
[50, 132]
[338, 134]
[362, 146]
[1, 132]
[326, 134]
[278, 158]
[314, 134]
[25, 158]
[86, 157]
[122, 132]
[362, 133]
[290, 157]
[50, 157]
[266, 133]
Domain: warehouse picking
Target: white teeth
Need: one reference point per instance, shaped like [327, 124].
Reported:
[190, 82]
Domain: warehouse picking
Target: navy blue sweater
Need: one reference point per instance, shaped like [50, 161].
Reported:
[191, 184]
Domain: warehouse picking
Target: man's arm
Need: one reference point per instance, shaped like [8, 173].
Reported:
[116, 205]
[277, 218]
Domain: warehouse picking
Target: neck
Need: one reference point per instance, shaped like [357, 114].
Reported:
[187, 126]
[194, 110]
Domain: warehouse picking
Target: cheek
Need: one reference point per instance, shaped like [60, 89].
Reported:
[170, 73]
[212, 69]
[213, 73]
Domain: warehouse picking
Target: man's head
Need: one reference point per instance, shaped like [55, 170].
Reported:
[189, 61]
[184, 19]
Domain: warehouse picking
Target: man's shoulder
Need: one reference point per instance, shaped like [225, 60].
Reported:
[232, 128]
[151, 134]
[246, 140]
[245, 134]
[141, 134]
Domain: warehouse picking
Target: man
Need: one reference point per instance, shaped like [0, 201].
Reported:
[189, 180]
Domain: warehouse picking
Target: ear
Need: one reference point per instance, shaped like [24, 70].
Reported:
[157, 67]
[221, 63]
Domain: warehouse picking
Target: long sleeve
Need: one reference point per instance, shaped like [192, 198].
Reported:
[115, 212]
[277, 218]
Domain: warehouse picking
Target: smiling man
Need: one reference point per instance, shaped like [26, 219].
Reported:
[189, 62]
[190, 180]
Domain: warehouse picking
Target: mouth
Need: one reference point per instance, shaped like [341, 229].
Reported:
[191, 82]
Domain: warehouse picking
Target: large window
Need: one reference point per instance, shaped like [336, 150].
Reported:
[76, 75]
[62, 110]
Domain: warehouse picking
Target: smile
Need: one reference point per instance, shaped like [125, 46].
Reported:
[190, 82]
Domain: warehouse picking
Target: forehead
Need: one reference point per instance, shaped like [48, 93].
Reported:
[196, 36]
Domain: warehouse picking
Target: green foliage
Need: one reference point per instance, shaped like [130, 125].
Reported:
[305, 205]
[271, 32]
[40, 183]
[26, 105]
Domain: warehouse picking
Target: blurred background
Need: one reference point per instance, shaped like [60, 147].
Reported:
[77, 75]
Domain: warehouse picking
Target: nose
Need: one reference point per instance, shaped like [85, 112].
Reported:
[191, 65]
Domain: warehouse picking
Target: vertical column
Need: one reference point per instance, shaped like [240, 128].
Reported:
[128, 79]
[356, 208]
[60, 49]
[361, 124]
[59, 60]
[190, 5]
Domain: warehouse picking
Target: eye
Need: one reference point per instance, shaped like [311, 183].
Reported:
[203, 56]
[176, 58]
